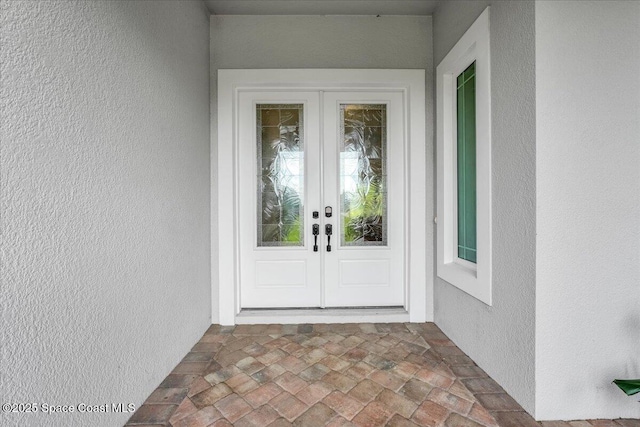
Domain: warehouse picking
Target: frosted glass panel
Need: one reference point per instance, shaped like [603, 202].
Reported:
[280, 216]
[363, 180]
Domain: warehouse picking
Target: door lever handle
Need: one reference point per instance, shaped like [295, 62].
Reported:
[316, 230]
[328, 230]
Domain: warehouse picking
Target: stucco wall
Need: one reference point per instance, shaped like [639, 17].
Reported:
[324, 42]
[588, 193]
[500, 338]
[104, 200]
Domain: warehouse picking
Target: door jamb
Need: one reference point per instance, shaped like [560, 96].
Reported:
[418, 255]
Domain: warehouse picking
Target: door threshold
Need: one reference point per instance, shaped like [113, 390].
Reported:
[320, 315]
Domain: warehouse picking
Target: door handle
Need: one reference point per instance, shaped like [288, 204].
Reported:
[316, 230]
[328, 230]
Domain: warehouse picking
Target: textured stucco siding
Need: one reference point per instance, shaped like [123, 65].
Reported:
[104, 200]
[501, 338]
[588, 192]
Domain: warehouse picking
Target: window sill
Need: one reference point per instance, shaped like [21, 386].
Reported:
[468, 280]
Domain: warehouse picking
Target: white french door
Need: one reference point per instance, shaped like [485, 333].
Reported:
[321, 198]
[363, 180]
[279, 185]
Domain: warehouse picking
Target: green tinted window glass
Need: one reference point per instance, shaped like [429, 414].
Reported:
[466, 163]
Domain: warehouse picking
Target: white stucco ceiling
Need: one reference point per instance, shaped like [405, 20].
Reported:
[321, 7]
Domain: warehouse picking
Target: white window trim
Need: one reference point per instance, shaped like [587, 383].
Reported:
[473, 46]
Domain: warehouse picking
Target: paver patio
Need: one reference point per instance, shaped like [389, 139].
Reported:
[401, 374]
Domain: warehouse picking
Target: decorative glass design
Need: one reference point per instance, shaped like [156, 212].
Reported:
[280, 174]
[363, 179]
[466, 163]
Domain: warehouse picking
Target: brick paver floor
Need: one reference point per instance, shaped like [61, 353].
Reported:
[401, 374]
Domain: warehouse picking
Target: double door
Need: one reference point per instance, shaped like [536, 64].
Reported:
[321, 198]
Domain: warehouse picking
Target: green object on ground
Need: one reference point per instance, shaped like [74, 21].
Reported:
[630, 387]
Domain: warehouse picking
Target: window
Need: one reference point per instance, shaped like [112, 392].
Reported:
[464, 163]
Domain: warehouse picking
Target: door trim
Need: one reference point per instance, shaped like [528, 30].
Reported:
[418, 256]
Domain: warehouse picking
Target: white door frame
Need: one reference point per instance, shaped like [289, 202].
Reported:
[412, 84]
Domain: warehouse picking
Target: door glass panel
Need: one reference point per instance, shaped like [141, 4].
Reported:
[280, 168]
[363, 180]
